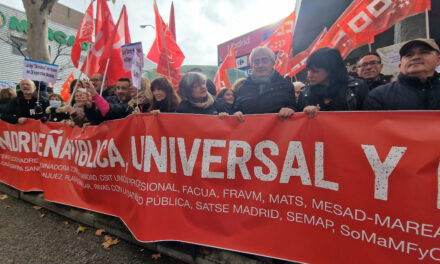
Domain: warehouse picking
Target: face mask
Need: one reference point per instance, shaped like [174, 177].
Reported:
[54, 103]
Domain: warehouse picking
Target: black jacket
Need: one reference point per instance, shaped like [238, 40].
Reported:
[407, 93]
[21, 107]
[117, 110]
[56, 114]
[249, 100]
[347, 98]
[4, 105]
[162, 106]
[383, 79]
[187, 107]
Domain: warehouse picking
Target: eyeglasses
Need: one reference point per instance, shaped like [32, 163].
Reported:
[365, 64]
[95, 80]
[260, 61]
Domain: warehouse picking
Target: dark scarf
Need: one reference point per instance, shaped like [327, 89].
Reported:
[263, 83]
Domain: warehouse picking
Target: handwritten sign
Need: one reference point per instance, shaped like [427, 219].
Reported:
[128, 52]
[40, 71]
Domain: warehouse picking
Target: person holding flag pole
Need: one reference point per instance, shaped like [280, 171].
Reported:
[84, 35]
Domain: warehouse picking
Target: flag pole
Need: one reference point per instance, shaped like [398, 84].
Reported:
[87, 59]
[427, 23]
[103, 78]
[369, 47]
[74, 89]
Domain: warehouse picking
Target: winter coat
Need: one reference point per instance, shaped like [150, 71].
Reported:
[347, 98]
[21, 107]
[79, 117]
[56, 114]
[407, 93]
[383, 79]
[162, 106]
[4, 104]
[279, 94]
[187, 107]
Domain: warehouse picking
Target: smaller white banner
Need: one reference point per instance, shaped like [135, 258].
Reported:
[40, 71]
[6, 85]
[128, 52]
[136, 69]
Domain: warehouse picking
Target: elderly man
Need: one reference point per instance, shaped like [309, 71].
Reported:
[97, 79]
[369, 67]
[26, 105]
[418, 84]
[265, 91]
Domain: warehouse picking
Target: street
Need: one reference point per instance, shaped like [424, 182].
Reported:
[29, 234]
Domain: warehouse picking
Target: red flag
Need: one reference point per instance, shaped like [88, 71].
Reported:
[172, 23]
[92, 65]
[221, 77]
[84, 34]
[112, 50]
[298, 63]
[364, 19]
[281, 41]
[65, 89]
[165, 51]
[101, 15]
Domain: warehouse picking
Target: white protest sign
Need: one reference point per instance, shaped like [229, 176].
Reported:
[128, 52]
[390, 58]
[40, 71]
[136, 70]
[6, 85]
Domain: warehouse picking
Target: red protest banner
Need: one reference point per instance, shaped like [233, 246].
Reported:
[341, 188]
[364, 19]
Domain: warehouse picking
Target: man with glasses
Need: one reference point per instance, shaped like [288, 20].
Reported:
[369, 67]
[265, 91]
[418, 84]
[97, 79]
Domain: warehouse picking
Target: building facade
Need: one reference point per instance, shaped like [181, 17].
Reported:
[13, 34]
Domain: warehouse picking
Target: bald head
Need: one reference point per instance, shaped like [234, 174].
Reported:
[27, 87]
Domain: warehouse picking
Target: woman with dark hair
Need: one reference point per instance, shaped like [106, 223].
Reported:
[195, 96]
[227, 96]
[330, 87]
[165, 98]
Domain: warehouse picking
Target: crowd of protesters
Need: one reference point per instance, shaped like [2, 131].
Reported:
[329, 87]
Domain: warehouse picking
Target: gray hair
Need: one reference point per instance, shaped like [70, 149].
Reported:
[189, 81]
[262, 50]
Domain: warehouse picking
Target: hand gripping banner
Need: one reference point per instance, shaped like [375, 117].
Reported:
[339, 188]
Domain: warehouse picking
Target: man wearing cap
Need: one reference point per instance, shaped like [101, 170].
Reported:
[418, 84]
[369, 67]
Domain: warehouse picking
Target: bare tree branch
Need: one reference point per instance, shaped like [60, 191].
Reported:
[14, 44]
